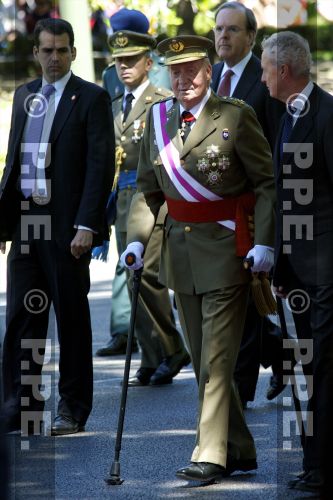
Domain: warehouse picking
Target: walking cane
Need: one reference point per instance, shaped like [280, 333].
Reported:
[114, 478]
[291, 371]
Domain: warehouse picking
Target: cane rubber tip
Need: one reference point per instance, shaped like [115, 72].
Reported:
[114, 480]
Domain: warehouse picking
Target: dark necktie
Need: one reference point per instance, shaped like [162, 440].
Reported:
[287, 127]
[187, 120]
[32, 140]
[128, 106]
[224, 88]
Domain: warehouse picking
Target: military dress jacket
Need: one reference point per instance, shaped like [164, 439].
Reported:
[201, 257]
[129, 138]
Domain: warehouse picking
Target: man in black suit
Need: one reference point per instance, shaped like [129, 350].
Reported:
[304, 237]
[239, 75]
[58, 174]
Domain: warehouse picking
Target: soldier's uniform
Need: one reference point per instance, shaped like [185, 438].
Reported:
[111, 81]
[159, 339]
[226, 154]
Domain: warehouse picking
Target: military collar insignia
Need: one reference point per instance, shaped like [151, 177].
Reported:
[171, 111]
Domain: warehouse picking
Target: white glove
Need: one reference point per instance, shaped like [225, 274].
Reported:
[137, 249]
[263, 258]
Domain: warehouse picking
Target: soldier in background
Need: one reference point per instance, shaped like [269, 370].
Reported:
[163, 352]
[132, 20]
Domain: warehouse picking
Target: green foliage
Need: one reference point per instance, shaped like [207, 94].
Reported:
[320, 37]
[204, 20]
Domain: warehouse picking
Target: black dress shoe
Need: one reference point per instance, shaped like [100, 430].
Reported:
[10, 424]
[169, 368]
[292, 482]
[312, 482]
[201, 471]
[117, 345]
[15, 425]
[63, 425]
[141, 378]
[245, 465]
[276, 386]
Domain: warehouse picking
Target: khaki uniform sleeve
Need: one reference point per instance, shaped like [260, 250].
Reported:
[147, 201]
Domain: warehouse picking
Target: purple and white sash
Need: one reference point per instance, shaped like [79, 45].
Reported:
[189, 188]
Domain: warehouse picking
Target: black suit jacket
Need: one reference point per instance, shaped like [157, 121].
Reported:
[251, 90]
[82, 161]
[306, 193]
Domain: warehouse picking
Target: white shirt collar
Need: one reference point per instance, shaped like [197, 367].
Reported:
[59, 84]
[138, 91]
[196, 110]
[300, 102]
[239, 67]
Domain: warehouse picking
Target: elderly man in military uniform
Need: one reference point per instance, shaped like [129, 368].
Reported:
[208, 158]
[162, 349]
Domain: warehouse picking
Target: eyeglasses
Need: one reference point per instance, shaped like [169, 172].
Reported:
[231, 30]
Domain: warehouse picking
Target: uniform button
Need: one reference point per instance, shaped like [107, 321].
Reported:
[123, 138]
[187, 229]
[155, 162]
[124, 155]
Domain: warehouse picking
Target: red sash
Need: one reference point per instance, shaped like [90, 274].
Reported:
[237, 208]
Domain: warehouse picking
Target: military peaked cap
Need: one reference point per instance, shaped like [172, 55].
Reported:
[127, 43]
[186, 48]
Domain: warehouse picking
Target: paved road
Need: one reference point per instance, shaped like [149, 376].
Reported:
[158, 435]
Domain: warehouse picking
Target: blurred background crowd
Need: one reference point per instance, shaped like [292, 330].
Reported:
[311, 18]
